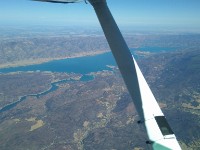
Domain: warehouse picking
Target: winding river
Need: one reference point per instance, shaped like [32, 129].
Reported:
[54, 87]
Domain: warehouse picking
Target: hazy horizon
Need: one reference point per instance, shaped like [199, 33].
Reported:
[179, 15]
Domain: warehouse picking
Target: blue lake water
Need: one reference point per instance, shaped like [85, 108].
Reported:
[53, 88]
[82, 65]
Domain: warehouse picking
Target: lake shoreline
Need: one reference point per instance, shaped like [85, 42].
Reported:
[44, 60]
[54, 85]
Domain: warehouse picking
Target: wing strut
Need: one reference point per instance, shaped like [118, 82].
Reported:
[161, 137]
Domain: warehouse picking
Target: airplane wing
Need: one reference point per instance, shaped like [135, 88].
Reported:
[161, 136]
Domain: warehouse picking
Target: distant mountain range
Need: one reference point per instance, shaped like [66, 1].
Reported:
[29, 49]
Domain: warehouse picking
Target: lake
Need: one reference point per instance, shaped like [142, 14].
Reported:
[82, 65]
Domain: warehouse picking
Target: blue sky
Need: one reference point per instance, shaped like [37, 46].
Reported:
[178, 14]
